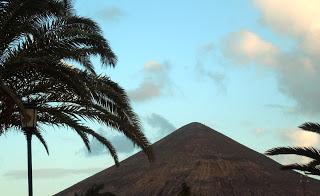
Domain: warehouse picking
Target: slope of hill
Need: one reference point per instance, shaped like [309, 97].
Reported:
[207, 161]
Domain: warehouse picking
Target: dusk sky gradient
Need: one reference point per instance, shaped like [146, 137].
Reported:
[246, 68]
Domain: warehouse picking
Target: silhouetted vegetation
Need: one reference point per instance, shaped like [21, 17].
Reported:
[35, 47]
[95, 190]
[37, 40]
[185, 190]
[313, 167]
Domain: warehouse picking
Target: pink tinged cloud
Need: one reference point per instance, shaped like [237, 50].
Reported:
[297, 70]
[297, 137]
[259, 131]
[146, 91]
[296, 18]
[302, 138]
[246, 47]
[156, 82]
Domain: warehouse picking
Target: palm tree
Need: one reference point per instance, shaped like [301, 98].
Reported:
[313, 167]
[15, 19]
[34, 49]
[30, 34]
[34, 31]
[59, 104]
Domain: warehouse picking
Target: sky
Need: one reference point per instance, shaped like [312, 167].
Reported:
[246, 68]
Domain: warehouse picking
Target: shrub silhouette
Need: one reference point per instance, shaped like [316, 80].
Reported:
[185, 190]
[94, 190]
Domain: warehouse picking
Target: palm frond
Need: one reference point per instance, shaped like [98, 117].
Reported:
[38, 134]
[37, 38]
[17, 15]
[85, 130]
[14, 98]
[312, 127]
[302, 167]
[310, 152]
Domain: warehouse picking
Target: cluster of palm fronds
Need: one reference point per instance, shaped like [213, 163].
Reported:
[37, 39]
[313, 167]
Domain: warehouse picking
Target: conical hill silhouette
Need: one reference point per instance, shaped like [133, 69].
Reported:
[207, 161]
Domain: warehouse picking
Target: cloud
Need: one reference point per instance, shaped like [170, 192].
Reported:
[160, 123]
[120, 142]
[291, 159]
[206, 49]
[296, 68]
[246, 47]
[155, 82]
[259, 131]
[296, 18]
[218, 78]
[299, 137]
[283, 108]
[111, 14]
[146, 91]
[153, 67]
[50, 172]
[275, 106]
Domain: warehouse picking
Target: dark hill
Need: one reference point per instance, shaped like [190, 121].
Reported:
[209, 162]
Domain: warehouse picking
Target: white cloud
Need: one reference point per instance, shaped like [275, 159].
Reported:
[302, 138]
[245, 46]
[153, 66]
[146, 91]
[297, 138]
[297, 69]
[259, 131]
[291, 159]
[297, 18]
[155, 83]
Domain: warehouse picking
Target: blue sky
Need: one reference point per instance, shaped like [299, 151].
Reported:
[246, 68]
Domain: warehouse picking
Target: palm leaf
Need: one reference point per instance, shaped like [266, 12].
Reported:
[301, 167]
[310, 152]
[35, 44]
[38, 134]
[312, 127]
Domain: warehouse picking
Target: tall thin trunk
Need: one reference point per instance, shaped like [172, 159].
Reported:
[29, 137]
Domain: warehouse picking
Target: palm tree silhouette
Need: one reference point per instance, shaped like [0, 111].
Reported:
[37, 38]
[15, 19]
[35, 31]
[311, 168]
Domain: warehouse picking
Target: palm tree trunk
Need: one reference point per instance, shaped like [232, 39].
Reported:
[29, 135]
